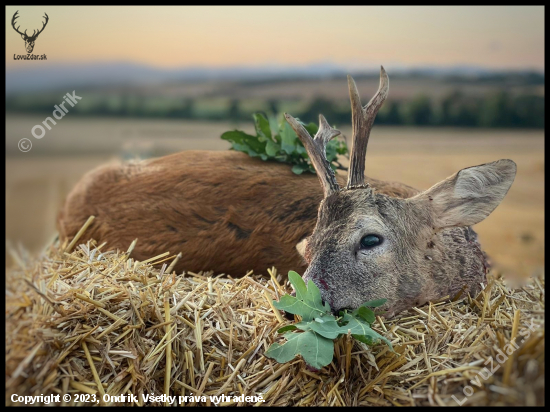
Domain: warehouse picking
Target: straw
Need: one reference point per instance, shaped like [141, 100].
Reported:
[96, 322]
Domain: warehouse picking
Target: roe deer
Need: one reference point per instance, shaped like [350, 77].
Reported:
[366, 240]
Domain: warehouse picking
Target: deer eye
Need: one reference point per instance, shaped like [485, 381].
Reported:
[370, 241]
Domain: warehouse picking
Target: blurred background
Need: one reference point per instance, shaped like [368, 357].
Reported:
[466, 87]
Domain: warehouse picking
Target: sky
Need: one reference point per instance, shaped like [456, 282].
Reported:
[495, 37]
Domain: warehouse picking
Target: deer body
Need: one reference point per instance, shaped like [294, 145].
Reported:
[183, 203]
[366, 240]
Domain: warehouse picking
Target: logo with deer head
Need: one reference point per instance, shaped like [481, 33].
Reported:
[29, 40]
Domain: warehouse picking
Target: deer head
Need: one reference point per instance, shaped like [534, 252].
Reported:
[367, 245]
[29, 40]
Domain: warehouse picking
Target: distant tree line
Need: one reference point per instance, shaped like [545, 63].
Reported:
[495, 110]
[500, 109]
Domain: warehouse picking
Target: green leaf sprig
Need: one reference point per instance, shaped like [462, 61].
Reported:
[313, 337]
[280, 143]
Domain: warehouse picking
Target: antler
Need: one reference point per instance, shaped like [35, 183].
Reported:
[316, 150]
[362, 119]
[43, 25]
[15, 16]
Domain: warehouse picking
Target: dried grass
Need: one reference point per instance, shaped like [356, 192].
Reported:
[95, 321]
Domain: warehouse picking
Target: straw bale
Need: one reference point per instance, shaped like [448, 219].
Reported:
[95, 321]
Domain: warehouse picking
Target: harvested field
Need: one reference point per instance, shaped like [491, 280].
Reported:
[95, 321]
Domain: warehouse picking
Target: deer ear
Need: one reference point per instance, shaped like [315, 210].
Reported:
[469, 196]
[23, 36]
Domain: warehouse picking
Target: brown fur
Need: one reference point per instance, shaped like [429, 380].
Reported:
[224, 211]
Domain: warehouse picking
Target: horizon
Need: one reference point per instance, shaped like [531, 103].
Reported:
[327, 64]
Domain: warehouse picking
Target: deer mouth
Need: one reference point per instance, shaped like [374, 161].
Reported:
[288, 315]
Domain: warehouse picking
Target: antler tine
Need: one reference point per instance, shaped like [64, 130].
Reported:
[43, 24]
[325, 133]
[316, 149]
[362, 119]
[15, 16]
